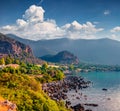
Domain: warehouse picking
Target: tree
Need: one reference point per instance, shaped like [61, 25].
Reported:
[23, 70]
[45, 66]
[59, 75]
[71, 67]
[22, 64]
[8, 60]
[16, 61]
[2, 61]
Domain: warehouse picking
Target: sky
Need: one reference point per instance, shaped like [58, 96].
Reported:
[52, 19]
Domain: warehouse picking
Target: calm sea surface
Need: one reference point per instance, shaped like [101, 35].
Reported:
[107, 100]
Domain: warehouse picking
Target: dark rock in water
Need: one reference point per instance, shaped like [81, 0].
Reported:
[78, 107]
[58, 90]
[104, 89]
[108, 99]
[77, 97]
[88, 110]
[68, 103]
[91, 104]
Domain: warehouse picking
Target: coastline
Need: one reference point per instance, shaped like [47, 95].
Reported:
[59, 90]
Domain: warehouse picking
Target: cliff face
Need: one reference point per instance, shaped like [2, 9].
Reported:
[63, 57]
[16, 49]
[11, 46]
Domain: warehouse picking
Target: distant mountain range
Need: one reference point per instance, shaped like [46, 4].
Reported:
[63, 57]
[16, 49]
[98, 51]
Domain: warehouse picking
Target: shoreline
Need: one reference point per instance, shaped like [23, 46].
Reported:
[58, 90]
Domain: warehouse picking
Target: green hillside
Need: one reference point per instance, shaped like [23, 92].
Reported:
[25, 90]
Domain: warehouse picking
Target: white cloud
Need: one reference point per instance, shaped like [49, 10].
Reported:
[115, 33]
[106, 12]
[115, 29]
[8, 27]
[33, 26]
[21, 22]
[84, 31]
[113, 36]
[34, 14]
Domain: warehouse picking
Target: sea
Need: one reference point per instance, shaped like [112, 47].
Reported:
[107, 100]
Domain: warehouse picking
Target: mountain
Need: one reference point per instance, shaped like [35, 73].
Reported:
[63, 57]
[11, 46]
[38, 48]
[16, 49]
[98, 51]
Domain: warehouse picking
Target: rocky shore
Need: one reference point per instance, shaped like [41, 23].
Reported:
[58, 90]
[6, 105]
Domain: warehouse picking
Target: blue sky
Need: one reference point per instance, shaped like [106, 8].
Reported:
[86, 19]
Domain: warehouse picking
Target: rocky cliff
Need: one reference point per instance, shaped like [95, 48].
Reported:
[16, 49]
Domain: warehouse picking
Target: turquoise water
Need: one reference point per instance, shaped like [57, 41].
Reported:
[107, 100]
[103, 79]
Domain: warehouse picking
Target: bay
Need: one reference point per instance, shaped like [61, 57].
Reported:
[107, 100]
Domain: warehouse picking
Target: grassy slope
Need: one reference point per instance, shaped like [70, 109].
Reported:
[26, 93]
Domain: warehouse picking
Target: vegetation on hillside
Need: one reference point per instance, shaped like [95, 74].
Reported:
[97, 67]
[22, 86]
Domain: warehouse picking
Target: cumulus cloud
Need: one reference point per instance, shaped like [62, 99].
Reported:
[115, 33]
[33, 26]
[34, 14]
[113, 36]
[7, 28]
[21, 22]
[76, 30]
[116, 29]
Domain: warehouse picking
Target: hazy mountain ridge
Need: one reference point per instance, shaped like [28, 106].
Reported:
[99, 51]
[63, 57]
